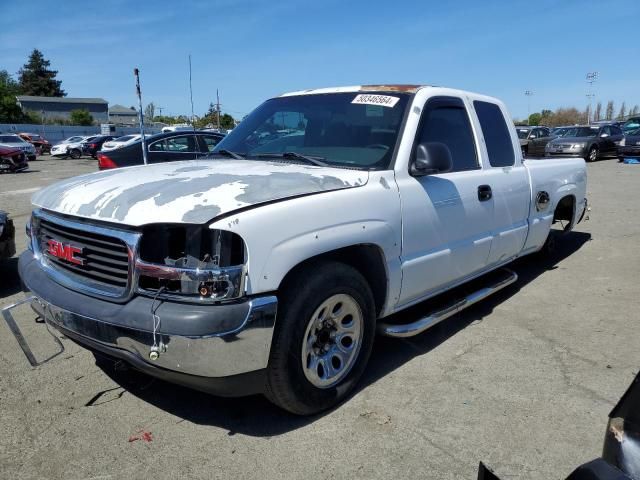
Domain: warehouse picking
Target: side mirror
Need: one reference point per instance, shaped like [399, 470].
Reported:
[430, 158]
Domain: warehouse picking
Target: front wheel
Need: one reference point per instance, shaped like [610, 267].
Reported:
[75, 153]
[323, 338]
[592, 156]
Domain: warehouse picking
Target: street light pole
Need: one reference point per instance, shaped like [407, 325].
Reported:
[528, 93]
[591, 78]
[136, 73]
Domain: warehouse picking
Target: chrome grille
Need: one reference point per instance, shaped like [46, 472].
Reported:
[101, 263]
[105, 258]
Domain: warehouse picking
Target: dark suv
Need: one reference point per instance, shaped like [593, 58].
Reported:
[164, 147]
[91, 146]
[590, 142]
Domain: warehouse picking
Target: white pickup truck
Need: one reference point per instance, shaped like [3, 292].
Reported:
[270, 266]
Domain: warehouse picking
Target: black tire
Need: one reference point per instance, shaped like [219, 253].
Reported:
[75, 153]
[592, 156]
[287, 386]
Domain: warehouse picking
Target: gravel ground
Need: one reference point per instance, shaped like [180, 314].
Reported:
[522, 381]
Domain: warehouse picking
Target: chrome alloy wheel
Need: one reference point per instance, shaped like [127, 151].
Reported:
[332, 341]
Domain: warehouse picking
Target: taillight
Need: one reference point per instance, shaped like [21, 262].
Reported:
[105, 162]
[93, 145]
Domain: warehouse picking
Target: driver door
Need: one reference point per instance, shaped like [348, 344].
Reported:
[447, 217]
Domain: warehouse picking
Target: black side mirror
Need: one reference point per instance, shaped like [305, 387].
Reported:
[430, 158]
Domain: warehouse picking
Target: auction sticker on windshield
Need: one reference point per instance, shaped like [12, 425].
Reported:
[383, 100]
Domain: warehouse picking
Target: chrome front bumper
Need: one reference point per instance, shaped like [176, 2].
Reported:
[213, 341]
[242, 350]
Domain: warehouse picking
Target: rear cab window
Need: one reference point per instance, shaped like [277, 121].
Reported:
[496, 134]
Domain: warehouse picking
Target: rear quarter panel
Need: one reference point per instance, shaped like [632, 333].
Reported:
[559, 177]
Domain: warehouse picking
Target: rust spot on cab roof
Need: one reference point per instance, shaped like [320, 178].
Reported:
[391, 88]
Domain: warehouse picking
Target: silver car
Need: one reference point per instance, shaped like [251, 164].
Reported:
[14, 141]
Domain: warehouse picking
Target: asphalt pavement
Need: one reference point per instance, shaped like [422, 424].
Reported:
[522, 381]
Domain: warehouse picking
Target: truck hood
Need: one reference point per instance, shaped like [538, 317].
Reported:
[194, 191]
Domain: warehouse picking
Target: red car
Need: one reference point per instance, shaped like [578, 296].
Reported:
[12, 160]
[42, 144]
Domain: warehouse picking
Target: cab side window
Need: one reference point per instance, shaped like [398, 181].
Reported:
[159, 146]
[497, 136]
[186, 143]
[445, 120]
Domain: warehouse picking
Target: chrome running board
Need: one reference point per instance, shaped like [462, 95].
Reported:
[404, 330]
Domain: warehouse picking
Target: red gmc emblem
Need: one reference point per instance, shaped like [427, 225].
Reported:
[65, 252]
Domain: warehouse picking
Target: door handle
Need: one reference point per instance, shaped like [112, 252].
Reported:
[484, 193]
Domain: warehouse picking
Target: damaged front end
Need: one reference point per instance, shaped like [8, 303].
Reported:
[168, 299]
[191, 263]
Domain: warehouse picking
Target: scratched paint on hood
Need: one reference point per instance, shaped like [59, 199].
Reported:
[188, 192]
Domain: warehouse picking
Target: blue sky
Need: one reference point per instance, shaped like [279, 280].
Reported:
[253, 50]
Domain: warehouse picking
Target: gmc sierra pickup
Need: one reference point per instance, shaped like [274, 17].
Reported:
[269, 266]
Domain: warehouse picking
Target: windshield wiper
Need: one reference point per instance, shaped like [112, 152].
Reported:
[296, 156]
[227, 153]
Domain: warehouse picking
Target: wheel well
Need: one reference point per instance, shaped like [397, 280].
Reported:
[366, 258]
[565, 211]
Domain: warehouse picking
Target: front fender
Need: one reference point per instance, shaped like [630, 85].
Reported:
[281, 235]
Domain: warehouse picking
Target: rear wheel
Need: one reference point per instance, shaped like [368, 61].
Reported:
[592, 156]
[323, 338]
[75, 153]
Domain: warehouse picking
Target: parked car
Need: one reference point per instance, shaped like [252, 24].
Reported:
[588, 142]
[177, 128]
[14, 141]
[7, 236]
[91, 146]
[559, 131]
[120, 142]
[71, 147]
[380, 202]
[12, 160]
[42, 144]
[631, 125]
[163, 147]
[629, 146]
[533, 140]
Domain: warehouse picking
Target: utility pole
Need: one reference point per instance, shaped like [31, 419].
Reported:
[528, 93]
[193, 125]
[160, 110]
[591, 78]
[218, 108]
[136, 73]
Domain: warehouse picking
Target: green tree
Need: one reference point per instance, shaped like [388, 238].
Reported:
[609, 113]
[534, 118]
[10, 111]
[37, 79]
[81, 117]
[227, 121]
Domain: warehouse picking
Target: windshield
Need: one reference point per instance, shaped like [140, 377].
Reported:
[559, 132]
[631, 125]
[523, 133]
[340, 129]
[581, 132]
[10, 139]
